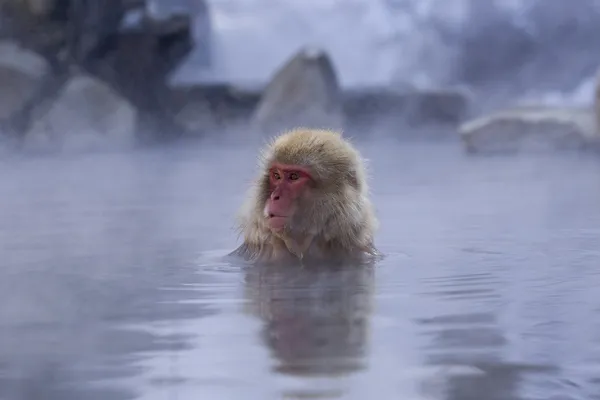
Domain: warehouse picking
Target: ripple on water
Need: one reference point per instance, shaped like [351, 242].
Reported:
[466, 331]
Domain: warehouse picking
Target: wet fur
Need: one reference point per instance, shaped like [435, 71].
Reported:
[338, 213]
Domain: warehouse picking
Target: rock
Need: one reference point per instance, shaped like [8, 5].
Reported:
[63, 29]
[414, 106]
[138, 64]
[365, 106]
[90, 27]
[531, 129]
[35, 8]
[196, 117]
[87, 115]
[21, 73]
[149, 49]
[304, 92]
[40, 7]
[205, 107]
[445, 106]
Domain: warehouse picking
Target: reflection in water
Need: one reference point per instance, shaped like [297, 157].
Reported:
[316, 319]
[472, 338]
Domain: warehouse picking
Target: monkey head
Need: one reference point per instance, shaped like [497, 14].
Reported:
[309, 179]
[309, 201]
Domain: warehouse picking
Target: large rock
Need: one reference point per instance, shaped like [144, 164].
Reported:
[531, 129]
[437, 106]
[365, 107]
[304, 92]
[61, 29]
[138, 63]
[21, 73]
[34, 8]
[87, 115]
[196, 117]
[205, 107]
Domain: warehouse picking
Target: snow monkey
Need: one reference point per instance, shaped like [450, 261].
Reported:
[310, 202]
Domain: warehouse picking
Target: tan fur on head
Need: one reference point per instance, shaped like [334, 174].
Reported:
[339, 216]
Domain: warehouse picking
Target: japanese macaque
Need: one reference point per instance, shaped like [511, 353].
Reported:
[310, 202]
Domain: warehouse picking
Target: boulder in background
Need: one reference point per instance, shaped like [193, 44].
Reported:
[21, 73]
[304, 92]
[531, 129]
[87, 115]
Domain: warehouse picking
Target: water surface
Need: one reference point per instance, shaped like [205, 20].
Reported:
[112, 286]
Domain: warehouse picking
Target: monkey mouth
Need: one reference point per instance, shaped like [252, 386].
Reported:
[276, 222]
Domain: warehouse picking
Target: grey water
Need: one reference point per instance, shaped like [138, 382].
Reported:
[112, 284]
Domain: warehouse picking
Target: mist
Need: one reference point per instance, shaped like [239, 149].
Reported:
[420, 43]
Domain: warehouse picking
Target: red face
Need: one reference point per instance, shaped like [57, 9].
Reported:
[286, 184]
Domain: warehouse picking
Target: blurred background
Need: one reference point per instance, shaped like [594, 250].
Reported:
[186, 68]
[129, 131]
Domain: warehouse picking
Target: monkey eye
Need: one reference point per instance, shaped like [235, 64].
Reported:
[276, 175]
[294, 176]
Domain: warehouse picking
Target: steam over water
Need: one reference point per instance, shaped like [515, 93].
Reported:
[111, 284]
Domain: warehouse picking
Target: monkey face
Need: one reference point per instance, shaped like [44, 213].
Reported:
[287, 185]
